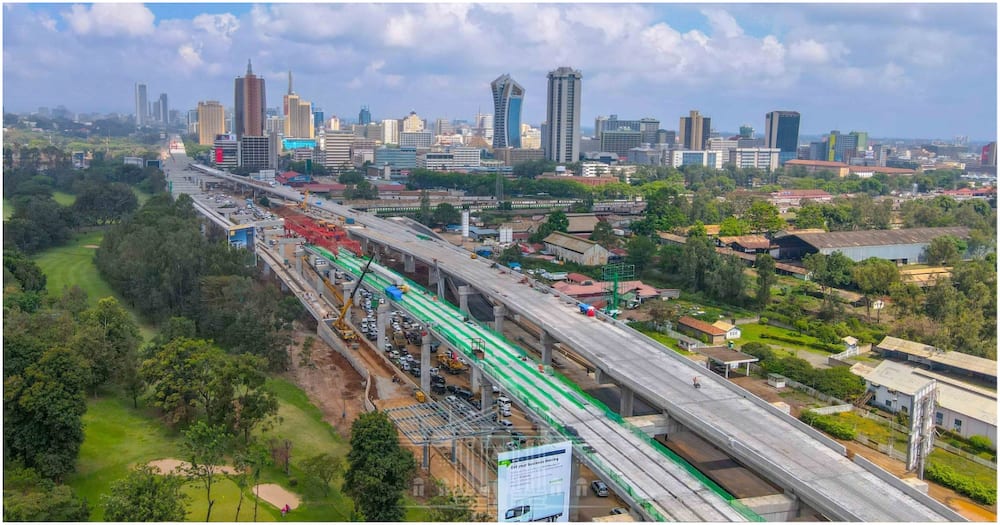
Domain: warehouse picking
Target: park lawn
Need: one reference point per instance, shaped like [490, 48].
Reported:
[116, 437]
[227, 496]
[63, 198]
[73, 263]
[752, 333]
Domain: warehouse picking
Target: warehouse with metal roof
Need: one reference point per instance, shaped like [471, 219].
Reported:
[904, 246]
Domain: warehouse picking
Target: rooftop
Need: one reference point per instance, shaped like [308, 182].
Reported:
[701, 326]
[953, 395]
[721, 354]
[818, 163]
[879, 237]
[570, 242]
[958, 360]
[754, 242]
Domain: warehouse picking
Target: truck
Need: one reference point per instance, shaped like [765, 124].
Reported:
[484, 252]
[554, 276]
[514, 266]
[548, 507]
[453, 366]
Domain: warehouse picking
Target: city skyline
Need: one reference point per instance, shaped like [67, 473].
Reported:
[895, 70]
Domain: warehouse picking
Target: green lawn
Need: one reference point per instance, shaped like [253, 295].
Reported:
[980, 473]
[753, 332]
[667, 341]
[63, 198]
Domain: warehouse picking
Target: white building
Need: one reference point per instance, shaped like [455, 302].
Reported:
[760, 158]
[594, 169]
[337, 150]
[390, 131]
[732, 331]
[711, 159]
[723, 145]
[574, 249]
[962, 408]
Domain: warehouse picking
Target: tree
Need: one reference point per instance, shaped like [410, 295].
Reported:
[946, 249]
[43, 412]
[907, 298]
[732, 226]
[103, 203]
[604, 235]
[324, 467]
[30, 497]
[697, 261]
[725, 279]
[363, 190]
[829, 271]
[187, 374]
[450, 506]
[659, 312]
[763, 217]
[556, 222]
[425, 216]
[350, 177]
[25, 271]
[641, 250]
[379, 470]
[204, 447]
[510, 254]
[445, 213]
[146, 494]
[875, 276]
[108, 338]
[809, 216]
[765, 279]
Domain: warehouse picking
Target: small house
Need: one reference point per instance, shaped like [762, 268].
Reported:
[732, 331]
[701, 330]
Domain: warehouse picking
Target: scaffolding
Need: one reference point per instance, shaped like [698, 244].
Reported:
[613, 274]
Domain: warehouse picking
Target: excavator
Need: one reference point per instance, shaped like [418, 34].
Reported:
[340, 325]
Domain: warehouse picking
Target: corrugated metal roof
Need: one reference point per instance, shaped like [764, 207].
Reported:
[971, 363]
[569, 242]
[700, 326]
[879, 237]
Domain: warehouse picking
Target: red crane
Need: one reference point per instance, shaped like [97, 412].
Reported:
[327, 236]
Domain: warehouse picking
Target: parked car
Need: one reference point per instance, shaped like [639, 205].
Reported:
[600, 489]
[506, 423]
[619, 510]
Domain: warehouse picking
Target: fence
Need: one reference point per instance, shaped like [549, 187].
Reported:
[841, 358]
[835, 409]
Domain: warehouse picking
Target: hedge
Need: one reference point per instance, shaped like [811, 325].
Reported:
[947, 476]
[829, 424]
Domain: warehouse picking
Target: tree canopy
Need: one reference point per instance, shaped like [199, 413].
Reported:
[379, 470]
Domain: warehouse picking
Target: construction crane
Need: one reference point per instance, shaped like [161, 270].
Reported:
[304, 205]
[340, 325]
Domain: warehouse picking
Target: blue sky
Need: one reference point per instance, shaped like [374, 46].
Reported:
[900, 70]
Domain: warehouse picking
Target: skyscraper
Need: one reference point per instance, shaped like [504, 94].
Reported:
[562, 133]
[695, 131]
[781, 130]
[141, 106]
[164, 111]
[211, 121]
[364, 116]
[390, 131]
[508, 96]
[249, 104]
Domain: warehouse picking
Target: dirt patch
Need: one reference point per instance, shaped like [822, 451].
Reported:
[329, 381]
[91, 246]
[761, 389]
[276, 495]
[174, 466]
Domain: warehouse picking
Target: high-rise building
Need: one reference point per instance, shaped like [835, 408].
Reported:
[619, 141]
[254, 152]
[695, 130]
[299, 119]
[164, 116]
[412, 123]
[562, 112]
[760, 158]
[746, 131]
[841, 147]
[390, 131]
[317, 118]
[364, 116]
[141, 106]
[781, 130]
[211, 121]
[988, 155]
[250, 105]
[508, 96]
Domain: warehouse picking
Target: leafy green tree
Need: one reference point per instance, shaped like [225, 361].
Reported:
[323, 468]
[641, 250]
[205, 447]
[908, 298]
[445, 213]
[698, 260]
[874, 277]
[243, 316]
[187, 374]
[604, 235]
[350, 177]
[425, 215]
[725, 279]
[946, 249]
[733, 226]
[766, 278]
[829, 271]
[145, 494]
[30, 497]
[510, 254]
[103, 203]
[108, 338]
[379, 470]
[556, 222]
[253, 403]
[37, 223]
[24, 270]
[450, 506]
[809, 216]
[763, 217]
[43, 412]
[363, 190]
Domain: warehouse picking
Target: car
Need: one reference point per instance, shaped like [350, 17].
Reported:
[511, 445]
[505, 411]
[451, 400]
[406, 366]
[415, 371]
[434, 371]
[437, 380]
[506, 423]
[619, 510]
[452, 389]
[519, 437]
[437, 388]
[464, 393]
[600, 489]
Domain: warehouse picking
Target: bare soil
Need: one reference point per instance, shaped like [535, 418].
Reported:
[276, 495]
[170, 465]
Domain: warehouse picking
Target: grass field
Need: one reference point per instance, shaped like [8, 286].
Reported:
[63, 198]
[753, 332]
[667, 341]
[73, 263]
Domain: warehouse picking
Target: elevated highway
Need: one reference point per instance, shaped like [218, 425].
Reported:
[807, 464]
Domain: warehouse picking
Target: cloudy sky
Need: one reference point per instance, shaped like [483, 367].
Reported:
[894, 70]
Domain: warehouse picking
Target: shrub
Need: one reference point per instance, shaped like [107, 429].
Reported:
[947, 476]
[293, 481]
[981, 443]
[829, 424]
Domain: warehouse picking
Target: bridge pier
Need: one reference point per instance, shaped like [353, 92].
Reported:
[436, 277]
[574, 491]
[409, 263]
[476, 377]
[486, 396]
[381, 322]
[498, 315]
[627, 402]
[546, 341]
[464, 292]
[425, 363]
[601, 377]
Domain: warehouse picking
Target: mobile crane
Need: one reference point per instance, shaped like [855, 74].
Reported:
[340, 325]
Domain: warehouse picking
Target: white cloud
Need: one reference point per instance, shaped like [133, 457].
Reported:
[223, 25]
[110, 19]
[722, 23]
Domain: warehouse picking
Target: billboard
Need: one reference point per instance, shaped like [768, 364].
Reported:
[241, 236]
[533, 484]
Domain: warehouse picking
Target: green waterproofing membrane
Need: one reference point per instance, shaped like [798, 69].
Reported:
[450, 323]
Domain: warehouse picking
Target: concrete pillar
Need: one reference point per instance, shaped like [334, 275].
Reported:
[498, 315]
[319, 285]
[463, 298]
[267, 269]
[381, 322]
[477, 377]
[409, 263]
[425, 363]
[298, 262]
[347, 286]
[426, 462]
[574, 493]
[546, 343]
[601, 377]
[627, 402]
[487, 395]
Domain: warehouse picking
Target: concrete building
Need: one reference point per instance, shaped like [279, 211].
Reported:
[574, 249]
[250, 105]
[695, 131]
[298, 115]
[397, 159]
[761, 158]
[815, 166]
[712, 159]
[594, 169]
[508, 96]
[364, 116]
[337, 150]
[701, 330]
[390, 131]
[531, 138]
[255, 152]
[226, 152]
[513, 156]
[141, 106]
[211, 121]
[562, 137]
[413, 123]
[953, 363]
[962, 408]
[620, 141]
[416, 139]
[785, 200]
[781, 130]
[900, 246]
